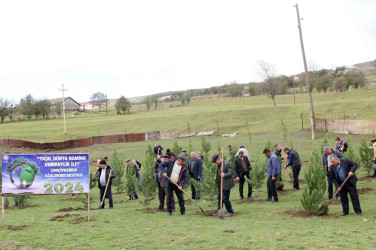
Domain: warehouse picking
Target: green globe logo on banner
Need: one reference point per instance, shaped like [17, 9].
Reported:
[22, 172]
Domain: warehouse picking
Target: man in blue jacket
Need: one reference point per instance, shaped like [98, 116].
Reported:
[274, 169]
[177, 172]
[295, 163]
[195, 171]
[328, 152]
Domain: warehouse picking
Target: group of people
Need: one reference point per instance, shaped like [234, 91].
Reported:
[171, 174]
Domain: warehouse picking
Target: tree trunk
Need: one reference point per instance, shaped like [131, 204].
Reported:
[275, 105]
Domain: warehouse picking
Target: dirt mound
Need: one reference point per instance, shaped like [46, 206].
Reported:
[147, 210]
[249, 201]
[300, 213]
[284, 192]
[17, 228]
[229, 231]
[121, 202]
[62, 217]
[70, 209]
[213, 213]
[365, 190]
[78, 220]
[366, 178]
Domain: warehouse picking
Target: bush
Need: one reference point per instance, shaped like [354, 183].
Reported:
[257, 174]
[148, 183]
[366, 155]
[118, 167]
[316, 185]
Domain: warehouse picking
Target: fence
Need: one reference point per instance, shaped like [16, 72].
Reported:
[85, 142]
[346, 126]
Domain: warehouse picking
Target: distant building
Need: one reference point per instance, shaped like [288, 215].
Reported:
[70, 105]
[89, 105]
[165, 98]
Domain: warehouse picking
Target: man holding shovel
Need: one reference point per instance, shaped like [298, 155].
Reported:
[176, 170]
[228, 182]
[105, 175]
[343, 170]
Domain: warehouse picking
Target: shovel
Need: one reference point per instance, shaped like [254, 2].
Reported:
[186, 195]
[324, 207]
[105, 191]
[221, 213]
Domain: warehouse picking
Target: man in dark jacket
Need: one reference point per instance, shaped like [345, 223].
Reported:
[341, 169]
[195, 171]
[242, 167]
[161, 183]
[328, 152]
[295, 163]
[177, 172]
[228, 182]
[273, 170]
[102, 173]
[158, 150]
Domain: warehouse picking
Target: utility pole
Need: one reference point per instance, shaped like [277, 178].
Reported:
[306, 75]
[62, 89]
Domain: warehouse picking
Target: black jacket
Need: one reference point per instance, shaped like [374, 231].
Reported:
[325, 159]
[238, 168]
[348, 166]
[156, 150]
[296, 162]
[98, 175]
[228, 180]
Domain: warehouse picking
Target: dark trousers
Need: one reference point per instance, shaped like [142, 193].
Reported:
[295, 174]
[170, 195]
[241, 185]
[272, 191]
[162, 195]
[348, 188]
[195, 194]
[331, 181]
[226, 199]
[108, 195]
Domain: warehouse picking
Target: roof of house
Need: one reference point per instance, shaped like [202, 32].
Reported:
[59, 100]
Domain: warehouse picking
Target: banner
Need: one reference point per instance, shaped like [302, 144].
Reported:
[45, 174]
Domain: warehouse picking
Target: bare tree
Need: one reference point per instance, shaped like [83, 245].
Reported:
[270, 82]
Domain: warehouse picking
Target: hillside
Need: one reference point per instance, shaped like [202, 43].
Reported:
[232, 115]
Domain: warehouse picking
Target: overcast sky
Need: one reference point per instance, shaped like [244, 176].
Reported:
[138, 47]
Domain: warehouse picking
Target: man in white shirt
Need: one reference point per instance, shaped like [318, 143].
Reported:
[103, 172]
[177, 172]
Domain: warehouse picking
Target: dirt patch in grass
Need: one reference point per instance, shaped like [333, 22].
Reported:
[186, 202]
[147, 210]
[367, 178]
[213, 213]
[17, 228]
[249, 201]
[366, 190]
[116, 193]
[284, 192]
[74, 199]
[121, 202]
[229, 231]
[62, 217]
[78, 220]
[300, 213]
[70, 209]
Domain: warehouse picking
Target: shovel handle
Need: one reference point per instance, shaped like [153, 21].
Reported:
[186, 194]
[105, 191]
[339, 189]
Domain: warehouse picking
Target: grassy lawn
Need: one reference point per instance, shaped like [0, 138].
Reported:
[257, 224]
